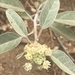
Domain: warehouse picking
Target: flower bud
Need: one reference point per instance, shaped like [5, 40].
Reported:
[46, 64]
[27, 66]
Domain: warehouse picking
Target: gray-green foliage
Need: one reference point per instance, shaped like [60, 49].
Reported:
[8, 41]
[67, 17]
[15, 5]
[65, 32]
[49, 17]
[63, 61]
[16, 22]
[12, 4]
[49, 13]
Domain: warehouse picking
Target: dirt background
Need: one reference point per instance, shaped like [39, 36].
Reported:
[9, 65]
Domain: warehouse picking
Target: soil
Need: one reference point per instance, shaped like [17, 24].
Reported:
[10, 65]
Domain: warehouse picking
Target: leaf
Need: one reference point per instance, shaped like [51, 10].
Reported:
[12, 4]
[63, 61]
[43, 0]
[63, 31]
[24, 15]
[67, 17]
[16, 22]
[8, 41]
[49, 13]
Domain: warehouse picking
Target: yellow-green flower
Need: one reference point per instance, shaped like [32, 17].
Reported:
[38, 59]
[37, 53]
[28, 56]
[48, 52]
[37, 48]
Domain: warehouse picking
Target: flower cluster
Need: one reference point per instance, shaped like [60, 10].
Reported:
[37, 53]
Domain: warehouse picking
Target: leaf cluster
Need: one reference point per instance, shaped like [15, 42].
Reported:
[49, 18]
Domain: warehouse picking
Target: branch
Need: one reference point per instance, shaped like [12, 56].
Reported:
[35, 26]
[63, 47]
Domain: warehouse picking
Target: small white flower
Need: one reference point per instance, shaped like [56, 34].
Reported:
[27, 66]
[46, 64]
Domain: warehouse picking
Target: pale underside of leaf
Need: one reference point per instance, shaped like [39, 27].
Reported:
[63, 62]
[66, 14]
[8, 41]
[12, 4]
[16, 22]
[65, 21]
[67, 17]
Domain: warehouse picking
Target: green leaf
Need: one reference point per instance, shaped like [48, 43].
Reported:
[67, 17]
[63, 31]
[43, 0]
[16, 22]
[63, 61]
[24, 15]
[12, 4]
[49, 13]
[8, 41]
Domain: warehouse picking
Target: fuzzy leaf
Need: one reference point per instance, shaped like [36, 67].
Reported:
[8, 41]
[16, 22]
[63, 61]
[67, 17]
[49, 13]
[12, 4]
[60, 29]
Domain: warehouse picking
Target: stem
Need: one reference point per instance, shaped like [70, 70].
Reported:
[39, 33]
[35, 26]
[29, 16]
[31, 32]
[28, 40]
[40, 6]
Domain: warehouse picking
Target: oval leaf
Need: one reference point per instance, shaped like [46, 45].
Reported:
[60, 29]
[67, 17]
[16, 22]
[12, 4]
[49, 13]
[8, 41]
[63, 61]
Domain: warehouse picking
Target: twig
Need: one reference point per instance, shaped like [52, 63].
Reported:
[28, 40]
[29, 16]
[35, 26]
[31, 32]
[63, 47]
[41, 6]
[51, 34]
[39, 33]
